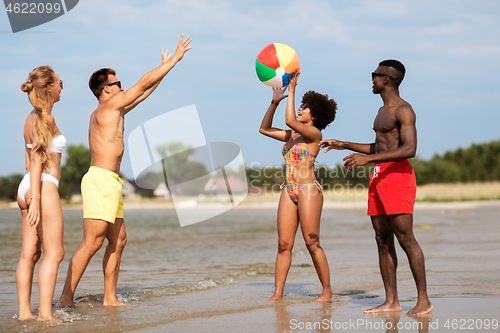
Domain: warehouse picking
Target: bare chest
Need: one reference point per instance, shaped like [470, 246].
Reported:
[109, 127]
[385, 122]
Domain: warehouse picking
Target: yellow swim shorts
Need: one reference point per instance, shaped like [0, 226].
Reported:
[102, 195]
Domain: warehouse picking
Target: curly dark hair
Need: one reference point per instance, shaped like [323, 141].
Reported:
[323, 110]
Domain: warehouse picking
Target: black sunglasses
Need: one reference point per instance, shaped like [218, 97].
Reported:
[303, 106]
[374, 75]
[118, 83]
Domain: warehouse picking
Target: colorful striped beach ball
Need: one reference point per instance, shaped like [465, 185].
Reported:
[275, 63]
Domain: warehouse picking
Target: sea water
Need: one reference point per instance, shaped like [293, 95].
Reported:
[180, 277]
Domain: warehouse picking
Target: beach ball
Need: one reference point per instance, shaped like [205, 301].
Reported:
[275, 63]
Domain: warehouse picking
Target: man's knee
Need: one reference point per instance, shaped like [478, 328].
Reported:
[384, 243]
[117, 243]
[94, 244]
[121, 242]
[406, 240]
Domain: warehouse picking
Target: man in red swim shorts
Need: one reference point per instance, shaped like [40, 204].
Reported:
[392, 189]
[392, 184]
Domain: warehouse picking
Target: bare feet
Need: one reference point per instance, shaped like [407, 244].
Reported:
[275, 297]
[63, 302]
[29, 317]
[45, 318]
[325, 297]
[386, 307]
[114, 302]
[420, 309]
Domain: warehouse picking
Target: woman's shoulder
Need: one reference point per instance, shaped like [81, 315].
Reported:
[30, 124]
[312, 137]
[30, 115]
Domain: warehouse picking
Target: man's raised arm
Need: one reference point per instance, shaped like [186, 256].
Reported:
[130, 98]
[164, 57]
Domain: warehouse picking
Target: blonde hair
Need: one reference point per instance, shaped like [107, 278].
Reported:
[39, 97]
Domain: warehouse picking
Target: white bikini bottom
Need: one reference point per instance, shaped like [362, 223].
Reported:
[26, 183]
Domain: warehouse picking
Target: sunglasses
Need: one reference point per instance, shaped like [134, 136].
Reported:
[118, 83]
[303, 106]
[60, 84]
[374, 75]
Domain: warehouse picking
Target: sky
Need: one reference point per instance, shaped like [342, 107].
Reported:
[450, 48]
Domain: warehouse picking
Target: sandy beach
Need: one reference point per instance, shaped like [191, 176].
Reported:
[431, 196]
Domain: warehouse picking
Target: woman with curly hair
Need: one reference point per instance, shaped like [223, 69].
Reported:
[302, 197]
[37, 197]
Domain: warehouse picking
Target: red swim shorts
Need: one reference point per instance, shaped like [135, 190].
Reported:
[392, 189]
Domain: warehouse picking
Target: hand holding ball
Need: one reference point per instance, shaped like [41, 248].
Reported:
[275, 63]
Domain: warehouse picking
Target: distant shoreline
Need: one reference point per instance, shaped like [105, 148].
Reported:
[330, 205]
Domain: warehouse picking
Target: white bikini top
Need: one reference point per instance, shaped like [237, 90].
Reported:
[56, 146]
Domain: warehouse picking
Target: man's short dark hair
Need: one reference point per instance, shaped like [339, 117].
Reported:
[397, 65]
[99, 79]
[394, 64]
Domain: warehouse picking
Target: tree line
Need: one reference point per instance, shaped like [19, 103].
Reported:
[477, 163]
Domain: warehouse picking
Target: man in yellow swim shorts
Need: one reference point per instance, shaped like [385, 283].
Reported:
[101, 185]
[102, 195]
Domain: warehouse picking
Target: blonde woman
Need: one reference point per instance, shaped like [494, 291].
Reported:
[38, 199]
